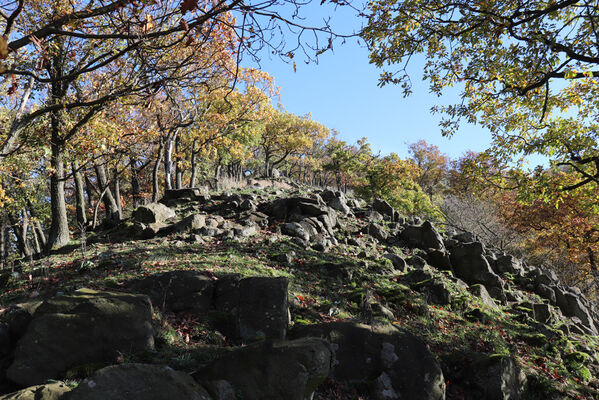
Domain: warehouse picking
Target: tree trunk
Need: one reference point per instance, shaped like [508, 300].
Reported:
[89, 189]
[117, 193]
[20, 231]
[112, 213]
[178, 169]
[3, 244]
[79, 195]
[194, 170]
[168, 161]
[59, 226]
[135, 188]
[155, 189]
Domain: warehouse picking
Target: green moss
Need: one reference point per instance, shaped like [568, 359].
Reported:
[533, 339]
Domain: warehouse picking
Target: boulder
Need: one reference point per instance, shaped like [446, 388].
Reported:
[546, 292]
[572, 306]
[376, 231]
[508, 264]
[185, 194]
[192, 222]
[481, 291]
[338, 204]
[83, 328]
[469, 264]
[541, 312]
[383, 207]
[398, 262]
[423, 236]
[295, 229]
[177, 290]
[373, 216]
[497, 377]
[138, 382]
[290, 370]
[254, 307]
[399, 364]
[52, 391]
[438, 259]
[153, 213]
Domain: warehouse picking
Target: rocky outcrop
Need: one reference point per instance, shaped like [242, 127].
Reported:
[289, 370]
[398, 363]
[83, 328]
[177, 290]
[423, 236]
[138, 382]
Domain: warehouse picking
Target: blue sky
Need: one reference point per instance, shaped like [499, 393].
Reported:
[341, 92]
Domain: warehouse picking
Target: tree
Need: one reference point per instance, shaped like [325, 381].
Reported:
[528, 71]
[394, 180]
[432, 165]
[133, 37]
[285, 134]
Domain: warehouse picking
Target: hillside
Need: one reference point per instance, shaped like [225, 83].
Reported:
[285, 292]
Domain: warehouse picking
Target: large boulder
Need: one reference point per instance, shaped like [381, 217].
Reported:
[253, 308]
[192, 222]
[153, 213]
[51, 391]
[423, 236]
[383, 207]
[507, 264]
[572, 305]
[496, 377]
[83, 328]
[397, 362]
[290, 370]
[139, 382]
[177, 290]
[469, 264]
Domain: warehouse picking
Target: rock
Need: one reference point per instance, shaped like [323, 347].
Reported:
[383, 207]
[191, 223]
[257, 307]
[546, 292]
[247, 205]
[52, 391]
[289, 370]
[373, 216]
[465, 237]
[138, 382]
[85, 327]
[153, 213]
[177, 290]
[296, 230]
[244, 231]
[481, 291]
[508, 264]
[397, 362]
[497, 377]
[416, 262]
[541, 312]
[339, 204]
[398, 262]
[377, 232]
[181, 195]
[438, 259]
[572, 306]
[423, 236]
[5, 342]
[469, 264]
[15, 319]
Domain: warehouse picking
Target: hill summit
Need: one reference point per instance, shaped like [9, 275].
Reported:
[279, 292]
